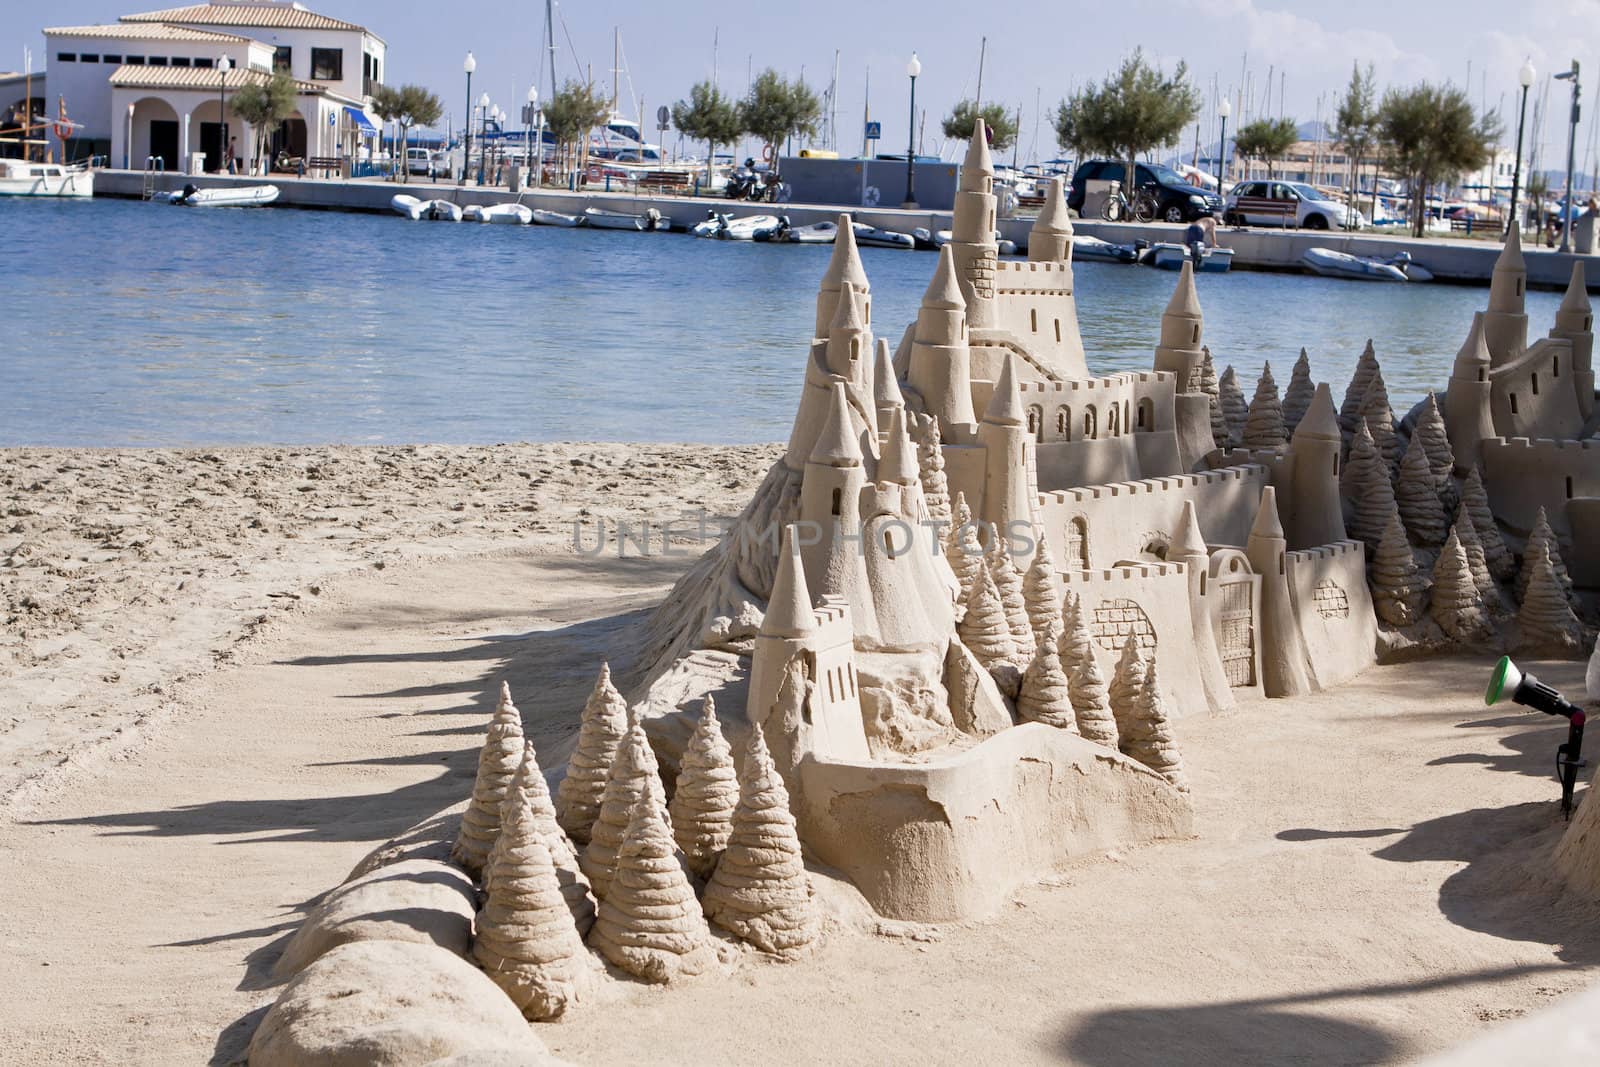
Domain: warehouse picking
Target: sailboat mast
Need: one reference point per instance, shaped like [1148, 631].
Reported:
[550, 41]
[866, 112]
[833, 105]
[616, 62]
[977, 104]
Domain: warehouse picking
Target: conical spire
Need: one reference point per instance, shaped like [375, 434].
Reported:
[846, 313]
[1576, 299]
[498, 761]
[1473, 353]
[1185, 299]
[1320, 420]
[1053, 216]
[885, 386]
[601, 729]
[1188, 542]
[944, 291]
[1297, 398]
[1267, 524]
[1005, 404]
[789, 607]
[978, 168]
[1510, 274]
[899, 463]
[836, 444]
[844, 267]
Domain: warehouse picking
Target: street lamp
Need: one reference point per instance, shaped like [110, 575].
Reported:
[223, 65]
[527, 121]
[483, 136]
[1224, 109]
[913, 68]
[1572, 136]
[1525, 79]
[469, 65]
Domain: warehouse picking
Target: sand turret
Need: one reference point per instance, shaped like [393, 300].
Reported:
[1399, 588]
[529, 796]
[1181, 327]
[886, 396]
[1575, 324]
[899, 463]
[1050, 238]
[632, 772]
[1317, 517]
[760, 891]
[1417, 496]
[1188, 547]
[1008, 496]
[1467, 414]
[1505, 323]
[849, 342]
[1085, 685]
[830, 511]
[1045, 695]
[1356, 391]
[972, 244]
[1040, 592]
[1263, 426]
[1297, 398]
[1456, 605]
[498, 761]
[708, 790]
[941, 363]
[603, 725]
[843, 267]
[524, 937]
[1146, 733]
[1283, 654]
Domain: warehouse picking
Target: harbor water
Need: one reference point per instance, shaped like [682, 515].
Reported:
[141, 324]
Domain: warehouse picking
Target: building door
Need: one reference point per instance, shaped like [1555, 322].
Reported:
[164, 142]
[214, 143]
[1236, 642]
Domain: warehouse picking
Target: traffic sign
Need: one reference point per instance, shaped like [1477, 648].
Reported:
[663, 117]
[874, 131]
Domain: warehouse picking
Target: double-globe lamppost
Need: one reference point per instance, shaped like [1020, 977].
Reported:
[1572, 140]
[913, 69]
[1525, 79]
[224, 64]
[1224, 109]
[483, 136]
[527, 123]
[469, 65]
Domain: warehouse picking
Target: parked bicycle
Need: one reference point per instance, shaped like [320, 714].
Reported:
[1142, 208]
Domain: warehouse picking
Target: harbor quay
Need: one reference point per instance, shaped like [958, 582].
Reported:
[1451, 260]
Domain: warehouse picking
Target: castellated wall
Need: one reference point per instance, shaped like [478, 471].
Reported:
[1035, 306]
[1328, 589]
[1534, 396]
[1092, 431]
[1523, 475]
[1151, 602]
[1098, 526]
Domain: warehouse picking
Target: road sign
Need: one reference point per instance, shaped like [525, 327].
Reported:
[874, 131]
[663, 117]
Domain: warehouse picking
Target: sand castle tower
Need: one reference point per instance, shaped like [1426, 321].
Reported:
[498, 761]
[1181, 327]
[602, 727]
[1189, 548]
[1050, 239]
[525, 938]
[650, 923]
[941, 363]
[1317, 517]
[1505, 323]
[1467, 414]
[972, 242]
[1283, 653]
[529, 798]
[760, 891]
[840, 356]
[1008, 497]
[1575, 324]
[886, 396]
[708, 790]
[844, 268]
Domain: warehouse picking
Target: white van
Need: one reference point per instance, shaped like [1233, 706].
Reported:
[419, 161]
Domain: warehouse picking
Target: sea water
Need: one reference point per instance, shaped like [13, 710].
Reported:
[132, 323]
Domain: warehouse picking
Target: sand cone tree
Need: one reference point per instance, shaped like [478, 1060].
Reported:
[1476, 500]
[1297, 398]
[1045, 694]
[708, 789]
[529, 796]
[1417, 495]
[1456, 606]
[984, 631]
[1086, 687]
[600, 731]
[1263, 427]
[963, 549]
[930, 469]
[1368, 494]
[649, 923]
[760, 891]
[1210, 387]
[1235, 412]
[1356, 391]
[1435, 440]
[1542, 537]
[498, 761]
[1477, 563]
[525, 938]
[1127, 682]
[1039, 592]
[1546, 622]
[1399, 588]
[1008, 584]
[1379, 417]
[632, 772]
[1147, 736]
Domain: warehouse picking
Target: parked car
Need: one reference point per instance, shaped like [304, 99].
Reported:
[1177, 200]
[1269, 203]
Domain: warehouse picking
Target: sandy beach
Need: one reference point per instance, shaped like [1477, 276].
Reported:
[229, 675]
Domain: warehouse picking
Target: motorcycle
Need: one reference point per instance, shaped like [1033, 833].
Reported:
[747, 183]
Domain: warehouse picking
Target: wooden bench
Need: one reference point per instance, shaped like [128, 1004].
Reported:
[1287, 211]
[665, 181]
[325, 164]
[1465, 225]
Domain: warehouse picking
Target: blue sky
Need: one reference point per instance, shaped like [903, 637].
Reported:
[1038, 51]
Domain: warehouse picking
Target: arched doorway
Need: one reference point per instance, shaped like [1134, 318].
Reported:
[289, 139]
[156, 133]
[209, 131]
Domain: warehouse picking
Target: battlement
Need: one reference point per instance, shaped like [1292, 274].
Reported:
[1246, 472]
[832, 619]
[1542, 445]
[1017, 266]
[1076, 386]
[1327, 552]
[1126, 572]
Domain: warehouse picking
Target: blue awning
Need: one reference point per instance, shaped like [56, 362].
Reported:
[362, 123]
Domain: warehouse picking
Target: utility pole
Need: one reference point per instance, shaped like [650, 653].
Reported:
[1572, 135]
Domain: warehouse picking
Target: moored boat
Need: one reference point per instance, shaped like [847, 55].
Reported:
[1332, 264]
[19, 177]
[752, 228]
[602, 219]
[1168, 256]
[878, 237]
[555, 218]
[224, 196]
[440, 211]
[407, 205]
[506, 214]
[818, 233]
[1093, 248]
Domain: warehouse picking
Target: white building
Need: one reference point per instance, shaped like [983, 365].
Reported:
[152, 86]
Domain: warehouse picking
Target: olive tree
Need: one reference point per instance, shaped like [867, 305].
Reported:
[1432, 135]
[1134, 110]
[572, 113]
[1001, 124]
[263, 103]
[1355, 123]
[776, 109]
[708, 116]
[1266, 140]
[406, 106]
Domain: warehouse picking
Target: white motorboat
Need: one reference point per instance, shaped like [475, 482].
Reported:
[938, 239]
[1168, 256]
[555, 218]
[18, 177]
[622, 220]
[752, 228]
[818, 233]
[1396, 268]
[506, 214]
[440, 211]
[876, 237]
[711, 226]
[1093, 248]
[406, 205]
[224, 196]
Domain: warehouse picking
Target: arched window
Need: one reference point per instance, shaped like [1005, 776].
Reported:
[838, 498]
[1113, 427]
[1036, 421]
[1033, 319]
[1078, 543]
[1090, 423]
[1147, 414]
[1058, 321]
[1064, 422]
[1535, 385]
[855, 349]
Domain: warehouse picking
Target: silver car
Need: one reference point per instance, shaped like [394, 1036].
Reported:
[1276, 203]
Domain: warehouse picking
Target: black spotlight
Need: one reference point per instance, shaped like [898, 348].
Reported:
[1525, 689]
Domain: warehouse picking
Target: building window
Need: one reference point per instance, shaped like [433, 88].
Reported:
[1147, 414]
[88, 57]
[110, 58]
[180, 61]
[327, 64]
[66, 57]
[282, 58]
[1535, 385]
[134, 61]
[204, 63]
[157, 61]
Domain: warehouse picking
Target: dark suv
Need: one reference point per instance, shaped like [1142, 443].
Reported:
[1176, 199]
